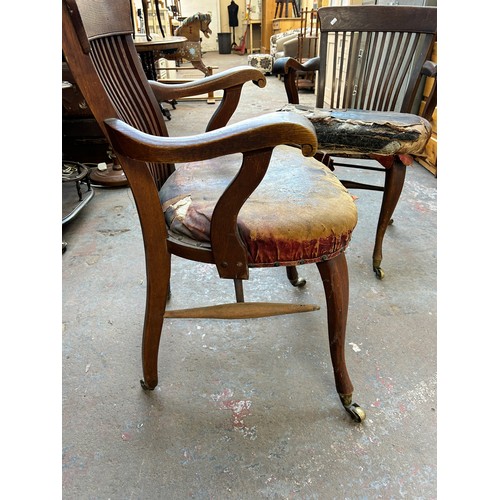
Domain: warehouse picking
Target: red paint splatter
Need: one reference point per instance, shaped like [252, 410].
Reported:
[240, 408]
[420, 207]
[126, 436]
[388, 385]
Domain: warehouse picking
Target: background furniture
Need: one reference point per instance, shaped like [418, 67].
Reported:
[372, 59]
[282, 24]
[294, 8]
[429, 101]
[278, 40]
[251, 23]
[82, 138]
[74, 174]
[262, 62]
[212, 211]
[150, 52]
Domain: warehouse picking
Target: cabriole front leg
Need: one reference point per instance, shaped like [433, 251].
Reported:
[335, 279]
[394, 180]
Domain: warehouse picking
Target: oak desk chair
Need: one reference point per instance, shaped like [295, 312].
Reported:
[371, 65]
[221, 206]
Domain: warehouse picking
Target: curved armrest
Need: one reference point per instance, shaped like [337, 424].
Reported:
[266, 131]
[225, 79]
[284, 65]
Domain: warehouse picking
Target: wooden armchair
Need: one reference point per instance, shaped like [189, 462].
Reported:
[221, 206]
[371, 65]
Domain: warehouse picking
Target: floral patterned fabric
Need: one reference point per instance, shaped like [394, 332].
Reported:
[262, 62]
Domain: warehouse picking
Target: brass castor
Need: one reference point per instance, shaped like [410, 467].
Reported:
[379, 272]
[294, 278]
[355, 411]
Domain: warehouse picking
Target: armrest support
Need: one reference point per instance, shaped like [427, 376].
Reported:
[429, 69]
[231, 81]
[288, 67]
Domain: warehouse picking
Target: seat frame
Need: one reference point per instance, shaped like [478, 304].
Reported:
[98, 47]
[374, 80]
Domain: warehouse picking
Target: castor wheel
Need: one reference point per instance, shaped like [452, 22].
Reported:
[294, 278]
[355, 411]
[299, 282]
[379, 273]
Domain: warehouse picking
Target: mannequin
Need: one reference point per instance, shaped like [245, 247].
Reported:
[232, 10]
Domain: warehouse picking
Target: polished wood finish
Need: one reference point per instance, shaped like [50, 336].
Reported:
[241, 310]
[371, 58]
[125, 104]
[268, 8]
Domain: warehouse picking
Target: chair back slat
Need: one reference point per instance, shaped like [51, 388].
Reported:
[121, 77]
[375, 54]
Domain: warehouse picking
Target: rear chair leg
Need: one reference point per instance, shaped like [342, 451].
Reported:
[336, 284]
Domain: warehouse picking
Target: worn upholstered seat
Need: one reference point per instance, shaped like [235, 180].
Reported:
[363, 134]
[319, 230]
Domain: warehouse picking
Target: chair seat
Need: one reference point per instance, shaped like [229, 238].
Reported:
[345, 132]
[299, 213]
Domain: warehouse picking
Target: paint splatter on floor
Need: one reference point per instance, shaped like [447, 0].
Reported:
[240, 409]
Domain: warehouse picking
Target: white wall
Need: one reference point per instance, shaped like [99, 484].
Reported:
[224, 19]
[190, 7]
[220, 18]
[256, 12]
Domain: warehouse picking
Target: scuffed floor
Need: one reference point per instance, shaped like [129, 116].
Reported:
[248, 409]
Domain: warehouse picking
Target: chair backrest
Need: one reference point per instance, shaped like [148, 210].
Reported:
[99, 48]
[371, 56]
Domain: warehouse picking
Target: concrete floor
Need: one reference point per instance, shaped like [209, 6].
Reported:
[248, 409]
